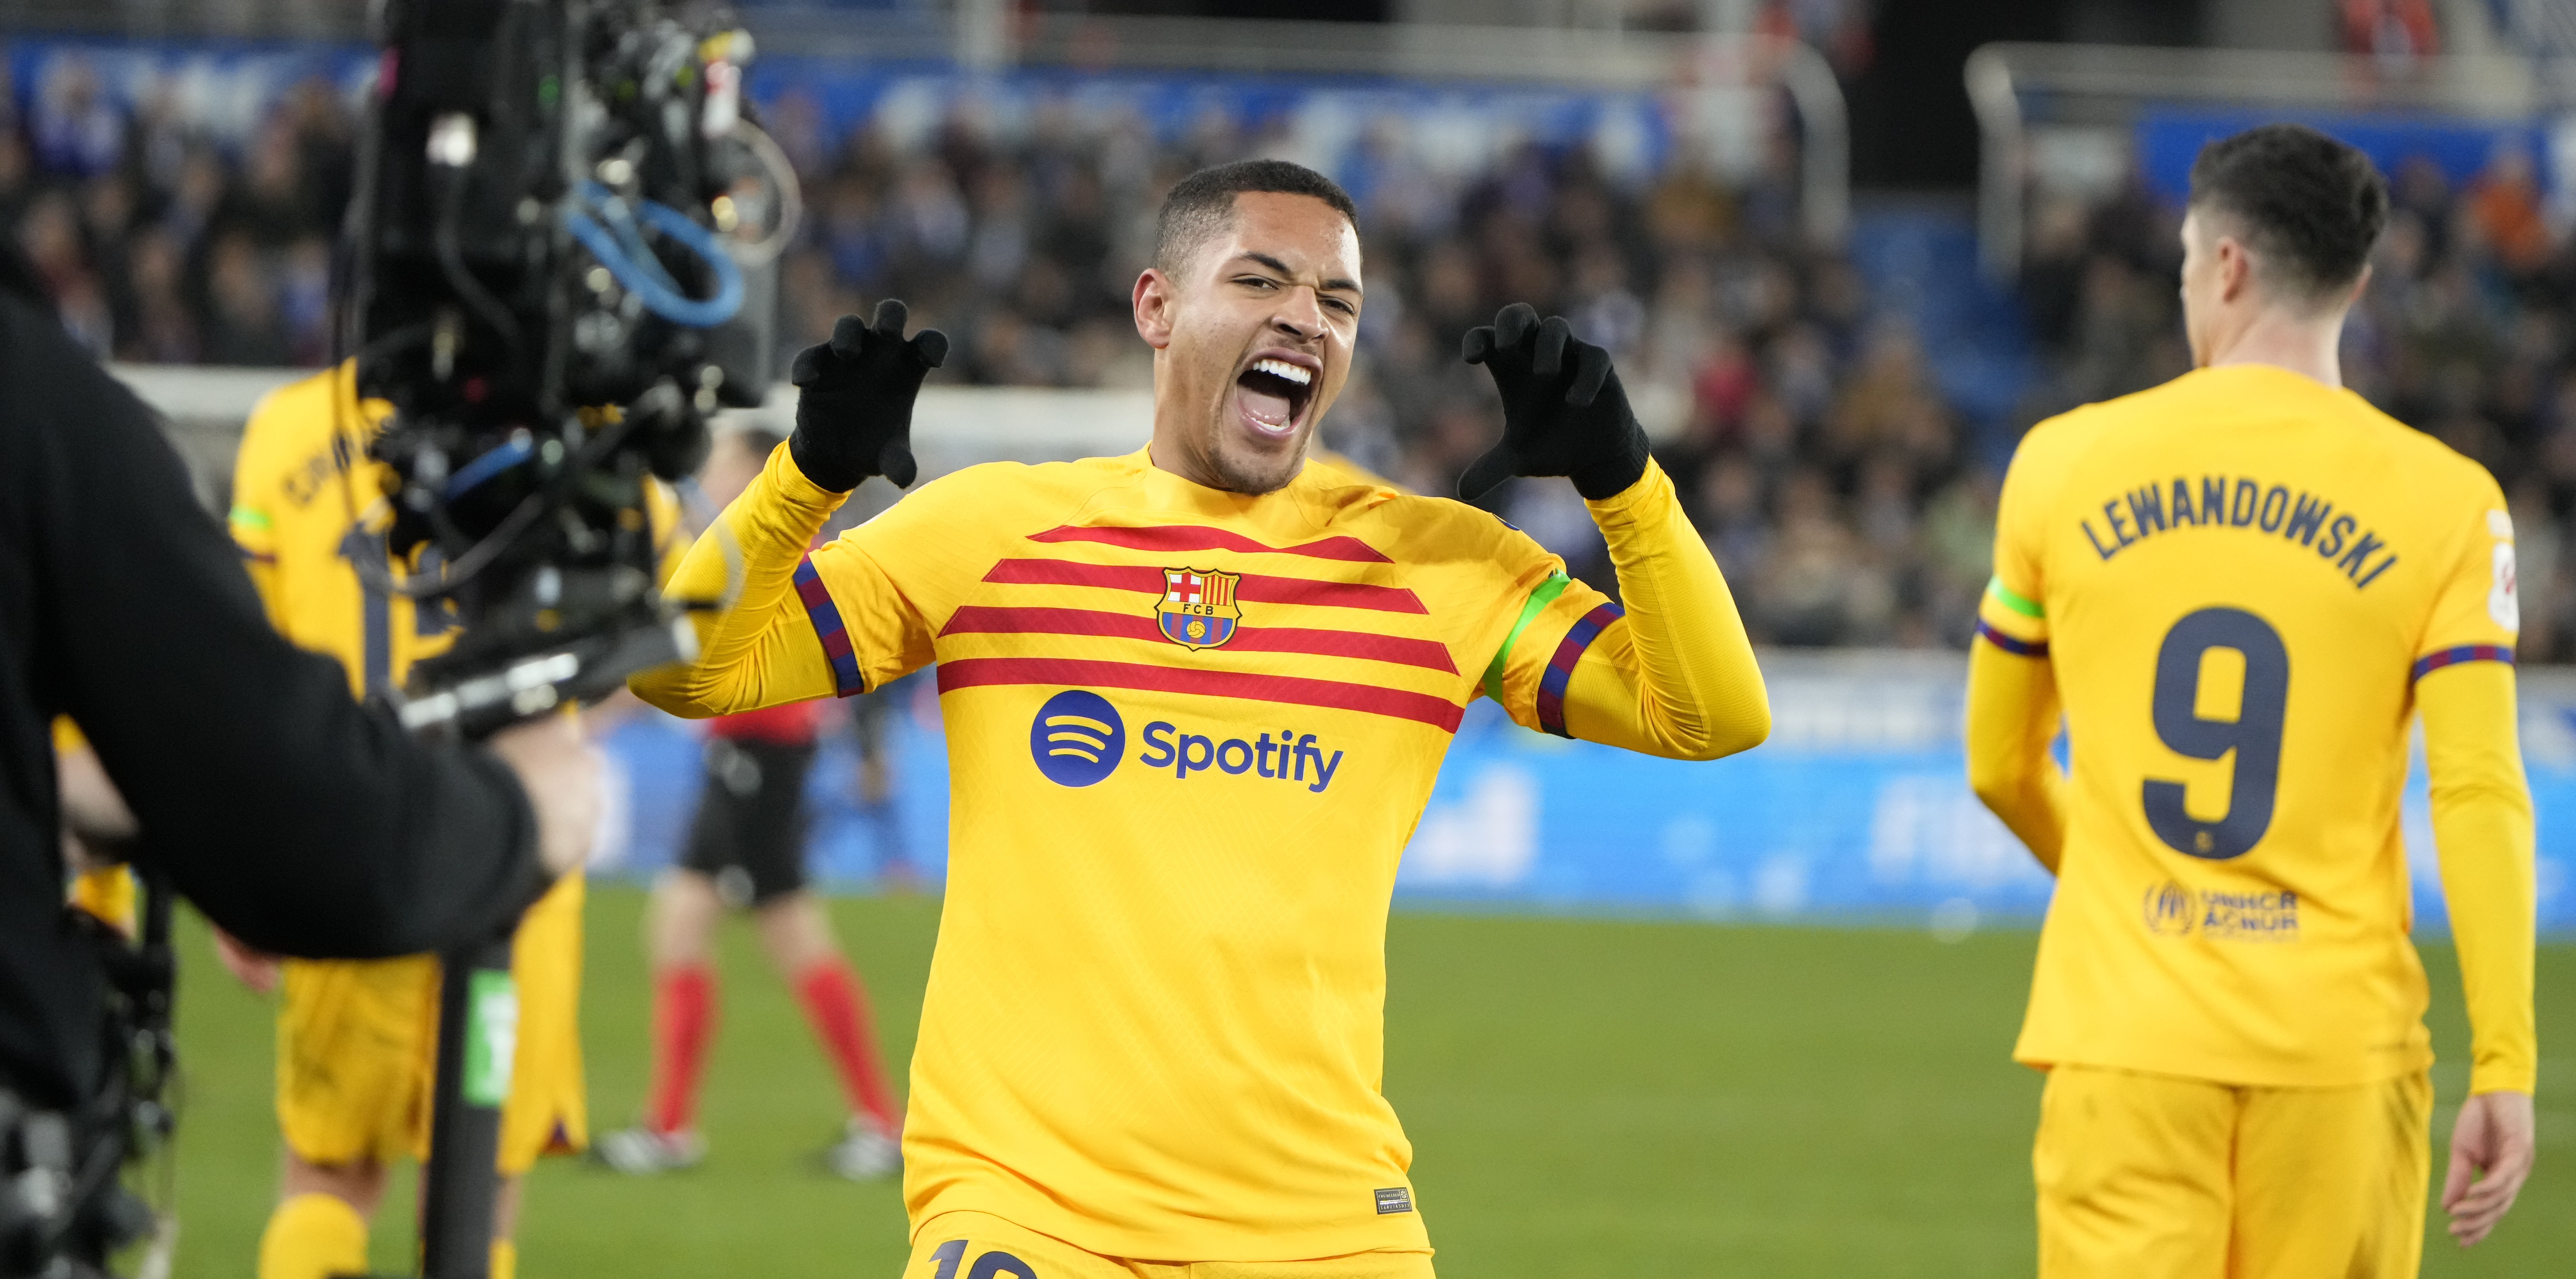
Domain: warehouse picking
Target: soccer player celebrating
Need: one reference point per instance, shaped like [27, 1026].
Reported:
[355, 1050]
[1196, 698]
[2242, 586]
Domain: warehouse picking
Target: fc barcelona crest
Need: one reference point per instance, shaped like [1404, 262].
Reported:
[1198, 609]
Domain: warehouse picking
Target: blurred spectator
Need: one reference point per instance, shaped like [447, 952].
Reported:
[1800, 422]
[2393, 30]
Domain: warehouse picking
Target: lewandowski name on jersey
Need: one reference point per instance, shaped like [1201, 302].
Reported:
[2219, 501]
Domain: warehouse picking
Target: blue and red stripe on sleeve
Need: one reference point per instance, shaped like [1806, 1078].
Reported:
[826, 617]
[2434, 661]
[1560, 665]
[2016, 647]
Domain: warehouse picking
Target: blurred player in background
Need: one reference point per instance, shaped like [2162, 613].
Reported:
[747, 848]
[356, 1039]
[94, 819]
[2242, 586]
[1196, 699]
[873, 715]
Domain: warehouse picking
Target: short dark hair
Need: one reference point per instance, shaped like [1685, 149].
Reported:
[1202, 204]
[2309, 206]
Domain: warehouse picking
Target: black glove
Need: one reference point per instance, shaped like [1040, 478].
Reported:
[1563, 410]
[854, 400]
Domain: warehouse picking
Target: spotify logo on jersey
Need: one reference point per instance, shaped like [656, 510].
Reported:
[1077, 738]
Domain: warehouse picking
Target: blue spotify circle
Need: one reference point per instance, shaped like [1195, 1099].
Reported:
[1077, 738]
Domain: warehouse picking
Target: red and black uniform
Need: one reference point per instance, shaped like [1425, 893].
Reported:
[750, 828]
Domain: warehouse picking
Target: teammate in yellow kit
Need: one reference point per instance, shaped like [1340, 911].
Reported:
[1195, 699]
[2242, 586]
[93, 813]
[355, 1037]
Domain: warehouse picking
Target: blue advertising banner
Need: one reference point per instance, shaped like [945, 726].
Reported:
[1856, 811]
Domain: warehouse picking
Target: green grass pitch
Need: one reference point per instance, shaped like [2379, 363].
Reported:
[1585, 1098]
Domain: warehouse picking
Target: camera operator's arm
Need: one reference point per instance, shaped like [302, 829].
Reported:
[295, 818]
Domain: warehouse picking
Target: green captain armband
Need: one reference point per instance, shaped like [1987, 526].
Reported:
[2004, 595]
[1544, 595]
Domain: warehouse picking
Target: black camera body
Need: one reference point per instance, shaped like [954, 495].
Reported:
[64, 1206]
[548, 285]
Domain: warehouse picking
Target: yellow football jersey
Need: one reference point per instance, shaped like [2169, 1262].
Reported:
[1189, 734]
[308, 506]
[2236, 578]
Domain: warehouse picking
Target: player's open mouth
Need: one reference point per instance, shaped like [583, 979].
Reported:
[1272, 393]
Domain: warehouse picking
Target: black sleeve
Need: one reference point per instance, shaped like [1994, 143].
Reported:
[298, 820]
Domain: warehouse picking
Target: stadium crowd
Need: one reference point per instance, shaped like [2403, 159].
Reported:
[2463, 333]
[1818, 456]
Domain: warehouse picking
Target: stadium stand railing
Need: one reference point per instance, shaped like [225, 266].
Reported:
[2060, 114]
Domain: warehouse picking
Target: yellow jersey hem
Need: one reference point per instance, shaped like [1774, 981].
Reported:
[1397, 1232]
[2240, 1074]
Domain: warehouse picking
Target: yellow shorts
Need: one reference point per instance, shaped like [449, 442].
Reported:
[974, 1245]
[357, 1049]
[2156, 1177]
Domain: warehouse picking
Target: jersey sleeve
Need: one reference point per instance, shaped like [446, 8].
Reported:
[2482, 813]
[889, 583]
[1555, 621]
[749, 585]
[2011, 616]
[2477, 609]
[1673, 674]
[2483, 832]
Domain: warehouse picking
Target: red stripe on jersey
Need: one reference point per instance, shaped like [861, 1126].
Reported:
[1422, 708]
[1256, 589]
[1394, 649]
[1196, 537]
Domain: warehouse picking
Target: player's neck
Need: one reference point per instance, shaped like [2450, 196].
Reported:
[2309, 346]
[1174, 459]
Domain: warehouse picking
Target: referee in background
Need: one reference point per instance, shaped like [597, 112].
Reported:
[296, 819]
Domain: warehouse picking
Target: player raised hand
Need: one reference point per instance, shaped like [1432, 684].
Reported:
[854, 399]
[1564, 412]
